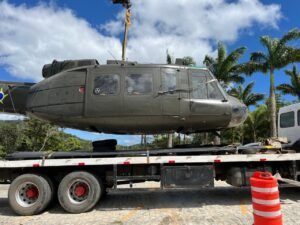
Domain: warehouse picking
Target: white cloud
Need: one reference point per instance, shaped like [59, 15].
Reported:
[33, 36]
[188, 27]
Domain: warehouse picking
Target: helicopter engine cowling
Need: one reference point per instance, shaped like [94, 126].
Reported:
[59, 66]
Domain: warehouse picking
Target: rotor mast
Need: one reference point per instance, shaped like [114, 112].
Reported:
[127, 5]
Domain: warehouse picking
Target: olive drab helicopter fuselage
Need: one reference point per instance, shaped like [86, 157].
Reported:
[126, 98]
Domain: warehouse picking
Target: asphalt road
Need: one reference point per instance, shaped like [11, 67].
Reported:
[217, 206]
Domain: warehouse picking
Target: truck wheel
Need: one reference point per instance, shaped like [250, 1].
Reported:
[79, 192]
[29, 194]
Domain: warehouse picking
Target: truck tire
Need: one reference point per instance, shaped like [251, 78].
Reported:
[79, 192]
[29, 194]
[53, 190]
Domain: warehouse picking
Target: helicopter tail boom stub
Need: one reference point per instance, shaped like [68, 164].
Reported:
[13, 96]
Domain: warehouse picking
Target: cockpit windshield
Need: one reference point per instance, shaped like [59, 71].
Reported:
[204, 85]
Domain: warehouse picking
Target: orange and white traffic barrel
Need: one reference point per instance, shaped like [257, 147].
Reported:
[265, 199]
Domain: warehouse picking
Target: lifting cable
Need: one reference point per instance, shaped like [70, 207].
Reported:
[127, 5]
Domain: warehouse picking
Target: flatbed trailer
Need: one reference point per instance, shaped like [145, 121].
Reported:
[80, 179]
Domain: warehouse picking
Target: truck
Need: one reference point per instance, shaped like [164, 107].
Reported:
[81, 179]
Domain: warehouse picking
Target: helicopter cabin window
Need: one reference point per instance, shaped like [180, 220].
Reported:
[106, 84]
[139, 84]
[169, 82]
[287, 119]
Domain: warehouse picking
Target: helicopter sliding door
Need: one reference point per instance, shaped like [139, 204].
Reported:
[141, 106]
[209, 107]
[139, 92]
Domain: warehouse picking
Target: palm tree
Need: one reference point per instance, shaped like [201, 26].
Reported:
[294, 87]
[169, 58]
[188, 60]
[277, 56]
[246, 95]
[225, 67]
[248, 98]
[257, 123]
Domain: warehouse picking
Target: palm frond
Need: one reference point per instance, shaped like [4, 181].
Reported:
[221, 52]
[287, 55]
[259, 57]
[208, 61]
[252, 99]
[246, 95]
[235, 93]
[248, 89]
[251, 67]
[286, 89]
[232, 59]
[268, 42]
[291, 72]
[233, 77]
[295, 79]
[289, 36]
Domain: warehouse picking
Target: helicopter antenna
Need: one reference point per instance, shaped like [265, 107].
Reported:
[127, 5]
[113, 56]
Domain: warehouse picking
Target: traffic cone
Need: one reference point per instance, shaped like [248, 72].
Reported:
[265, 199]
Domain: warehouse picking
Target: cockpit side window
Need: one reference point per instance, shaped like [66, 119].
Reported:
[214, 90]
[169, 81]
[139, 84]
[205, 86]
[106, 84]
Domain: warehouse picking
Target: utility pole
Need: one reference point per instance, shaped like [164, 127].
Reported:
[127, 5]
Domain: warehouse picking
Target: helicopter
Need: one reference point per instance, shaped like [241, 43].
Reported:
[123, 97]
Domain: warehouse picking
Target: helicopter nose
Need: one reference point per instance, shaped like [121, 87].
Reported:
[239, 113]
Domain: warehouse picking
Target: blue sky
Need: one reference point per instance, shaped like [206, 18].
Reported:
[33, 33]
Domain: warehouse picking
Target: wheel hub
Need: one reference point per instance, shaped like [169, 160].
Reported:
[27, 194]
[32, 193]
[80, 191]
